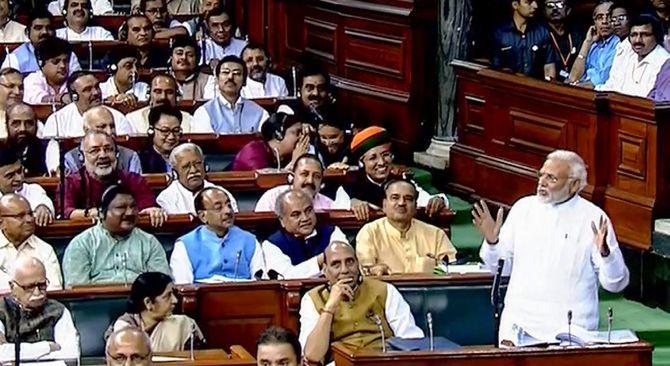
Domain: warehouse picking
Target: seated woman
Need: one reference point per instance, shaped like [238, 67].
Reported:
[284, 140]
[164, 134]
[150, 308]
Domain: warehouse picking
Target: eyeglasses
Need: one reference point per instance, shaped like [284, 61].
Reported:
[166, 131]
[19, 216]
[134, 359]
[619, 18]
[557, 5]
[12, 86]
[385, 156]
[41, 286]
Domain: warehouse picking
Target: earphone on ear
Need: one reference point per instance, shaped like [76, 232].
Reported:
[112, 69]
[360, 164]
[174, 175]
[151, 131]
[289, 179]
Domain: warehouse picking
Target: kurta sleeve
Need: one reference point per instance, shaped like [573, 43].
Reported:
[308, 319]
[399, 316]
[338, 235]
[280, 262]
[39, 197]
[342, 199]
[257, 260]
[53, 271]
[77, 262]
[157, 261]
[366, 250]
[505, 246]
[135, 165]
[201, 121]
[445, 247]
[72, 189]
[182, 270]
[65, 334]
[612, 271]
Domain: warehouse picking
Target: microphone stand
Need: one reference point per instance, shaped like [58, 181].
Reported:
[496, 301]
[378, 321]
[90, 55]
[429, 320]
[295, 81]
[237, 263]
[570, 327]
[191, 342]
[61, 178]
[610, 318]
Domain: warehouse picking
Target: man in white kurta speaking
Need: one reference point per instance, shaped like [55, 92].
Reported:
[558, 246]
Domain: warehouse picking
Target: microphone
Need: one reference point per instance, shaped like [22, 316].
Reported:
[378, 322]
[237, 263]
[90, 55]
[191, 342]
[61, 178]
[570, 327]
[496, 301]
[429, 320]
[294, 77]
[15, 306]
[610, 318]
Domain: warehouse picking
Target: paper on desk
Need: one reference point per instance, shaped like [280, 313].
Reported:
[467, 268]
[167, 359]
[221, 279]
[44, 363]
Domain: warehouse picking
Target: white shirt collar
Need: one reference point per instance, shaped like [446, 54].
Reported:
[227, 104]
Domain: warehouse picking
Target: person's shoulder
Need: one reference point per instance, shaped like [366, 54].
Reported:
[425, 227]
[143, 236]
[82, 239]
[252, 104]
[236, 230]
[374, 224]
[137, 113]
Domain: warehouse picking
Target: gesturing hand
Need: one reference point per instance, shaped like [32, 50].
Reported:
[481, 217]
[341, 290]
[600, 236]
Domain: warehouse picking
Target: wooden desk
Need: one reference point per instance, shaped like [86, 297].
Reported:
[634, 354]
[237, 356]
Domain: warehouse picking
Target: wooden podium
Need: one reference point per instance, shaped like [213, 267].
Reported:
[237, 356]
[632, 354]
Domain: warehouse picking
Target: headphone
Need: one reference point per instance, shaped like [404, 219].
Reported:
[178, 92]
[107, 197]
[66, 5]
[273, 127]
[80, 150]
[112, 69]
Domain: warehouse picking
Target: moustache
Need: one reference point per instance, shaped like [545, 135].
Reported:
[312, 186]
[36, 298]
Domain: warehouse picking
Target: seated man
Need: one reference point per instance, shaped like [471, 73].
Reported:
[84, 188]
[138, 32]
[49, 83]
[307, 175]
[77, 28]
[47, 329]
[12, 181]
[164, 133]
[11, 91]
[22, 129]
[100, 119]
[371, 147]
[220, 42]
[188, 164]
[98, 7]
[399, 243]
[115, 250]
[128, 344]
[315, 94]
[164, 26]
[261, 83]
[84, 90]
[565, 36]
[328, 311]
[196, 26]
[218, 250]
[296, 250]
[10, 31]
[558, 247]
[193, 84]
[39, 28]
[122, 87]
[228, 112]
[278, 346]
[634, 73]
[620, 21]
[163, 92]
[18, 240]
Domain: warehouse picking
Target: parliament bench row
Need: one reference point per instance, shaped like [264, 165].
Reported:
[236, 313]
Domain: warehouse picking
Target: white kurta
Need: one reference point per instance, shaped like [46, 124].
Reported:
[176, 199]
[276, 259]
[37, 88]
[555, 266]
[633, 77]
[13, 32]
[68, 122]
[12, 60]
[93, 33]
[31, 247]
[343, 201]
[65, 334]
[274, 86]
[140, 89]
[396, 309]
[139, 119]
[214, 51]
[35, 195]
[99, 7]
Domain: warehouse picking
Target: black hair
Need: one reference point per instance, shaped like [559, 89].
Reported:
[51, 47]
[234, 59]
[199, 199]
[312, 69]
[38, 13]
[275, 127]
[185, 41]
[307, 156]
[155, 113]
[327, 115]
[9, 156]
[123, 51]
[647, 19]
[74, 77]
[9, 71]
[279, 335]
[147, 284]
[143, 5]
[255, 46]
[110, 193]
[392, 182]
[219, 10]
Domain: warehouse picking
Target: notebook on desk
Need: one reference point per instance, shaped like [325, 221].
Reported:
[421, 344]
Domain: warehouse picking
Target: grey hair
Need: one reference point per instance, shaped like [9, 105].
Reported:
[577, 165]
[279, 203]
[26, 262]
[95, 133]
[338, 242]
[13, 106]
[130, 329]
[188, 146]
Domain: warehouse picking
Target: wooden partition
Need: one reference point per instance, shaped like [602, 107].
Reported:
[507, 124]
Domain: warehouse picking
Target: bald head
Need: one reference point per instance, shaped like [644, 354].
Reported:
[128, 343]
[29, 282]
[99, 119]
[27, 267]
[9, 202]
[16, 221]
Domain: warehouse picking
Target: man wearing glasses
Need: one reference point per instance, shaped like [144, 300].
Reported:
[620, 21]
[163, 91]
[128, 344]
[229, 112]
[46, 326]
[18, 240]
[565, 39]
[594, 61]
[371, 148]
[11, 91]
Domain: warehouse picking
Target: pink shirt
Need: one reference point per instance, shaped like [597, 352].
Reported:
[268, 199]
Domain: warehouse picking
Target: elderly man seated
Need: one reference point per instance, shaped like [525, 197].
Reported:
[11, 92]
[217, 250]
[163, 91]
[18, 240]
[128, 345]
[47, 329]
[188, 164]
[22, 129]
[114, 250]
[399, 243]
[371, 148]
[12, 181]
[84, 188]
[307, 175]
[328, 311]
[296, 250]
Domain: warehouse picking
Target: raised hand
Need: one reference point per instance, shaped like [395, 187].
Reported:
[600, 236]
[481, 217]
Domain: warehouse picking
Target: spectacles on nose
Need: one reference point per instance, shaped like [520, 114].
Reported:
[42, 286]
[385, 156]
[19, 216]
[619, 18]
[553, 6]
[166, 131]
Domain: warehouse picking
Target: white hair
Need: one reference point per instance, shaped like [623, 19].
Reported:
[188, 146]
[576, 163]
[24, 263]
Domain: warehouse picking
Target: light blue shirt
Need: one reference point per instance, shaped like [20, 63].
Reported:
[599, 60]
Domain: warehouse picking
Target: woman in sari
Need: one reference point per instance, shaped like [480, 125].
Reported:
[150, 308]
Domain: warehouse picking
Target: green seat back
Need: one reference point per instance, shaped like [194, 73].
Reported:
[92, 316]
